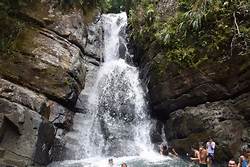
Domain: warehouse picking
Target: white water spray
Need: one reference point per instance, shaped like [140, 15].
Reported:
[116, 122]
[119, 120]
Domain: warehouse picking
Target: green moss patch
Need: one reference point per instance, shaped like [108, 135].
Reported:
[30, 72]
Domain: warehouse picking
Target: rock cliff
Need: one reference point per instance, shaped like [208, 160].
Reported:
[193, 103]
[46, 47]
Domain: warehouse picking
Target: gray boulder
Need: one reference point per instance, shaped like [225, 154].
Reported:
[225, 121]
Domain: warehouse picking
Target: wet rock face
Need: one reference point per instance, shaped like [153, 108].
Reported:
[193, 103]
[42, 71]
[19, 127]
[175, 93]
[44, 144]
[71, 27]
[172, 87]
[21, 95]
[94, 44]
[225, 121]
[53, 66]
[23, 116]
[175, 88]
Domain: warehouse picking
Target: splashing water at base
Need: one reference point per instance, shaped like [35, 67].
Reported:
[154, 160]
[116, 124]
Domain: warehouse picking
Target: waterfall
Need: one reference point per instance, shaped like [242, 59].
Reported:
[115, 122]
[119, 124]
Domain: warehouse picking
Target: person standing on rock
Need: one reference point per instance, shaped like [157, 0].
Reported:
[202, 156]
[210, 150]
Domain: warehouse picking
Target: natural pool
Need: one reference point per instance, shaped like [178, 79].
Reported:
[147, 160]
[116, 120]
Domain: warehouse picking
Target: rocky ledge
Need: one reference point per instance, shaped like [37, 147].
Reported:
[195, 102]
[46, 47]
[227, 122]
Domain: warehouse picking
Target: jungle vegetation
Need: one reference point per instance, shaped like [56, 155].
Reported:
[197, 30]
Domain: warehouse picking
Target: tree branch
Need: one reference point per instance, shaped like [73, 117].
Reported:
[236, 25]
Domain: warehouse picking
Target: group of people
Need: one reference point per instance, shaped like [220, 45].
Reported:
[111, 163]
[244, 160]
[204, 155]
[167, 150]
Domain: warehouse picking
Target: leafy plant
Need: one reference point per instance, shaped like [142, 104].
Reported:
[200, 30]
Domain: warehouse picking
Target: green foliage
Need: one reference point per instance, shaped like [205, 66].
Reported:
[200, 30]
[141, 21]
[111, 6]
[10, 29]
[116, 6]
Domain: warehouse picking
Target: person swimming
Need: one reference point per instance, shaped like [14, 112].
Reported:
[124, 164]
[111, 162]
[164, 149]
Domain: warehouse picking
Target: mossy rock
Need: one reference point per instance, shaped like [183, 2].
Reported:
[42, 61]
[30, 72]
[9, 30]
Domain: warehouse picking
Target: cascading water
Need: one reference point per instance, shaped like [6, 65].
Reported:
[117, 104]
[116, 122]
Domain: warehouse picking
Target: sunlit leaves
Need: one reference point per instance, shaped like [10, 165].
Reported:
[200, 30]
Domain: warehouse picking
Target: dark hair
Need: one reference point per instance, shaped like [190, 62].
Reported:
[233, 160]
[124, 164]
[192, 146]
[165, 150]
